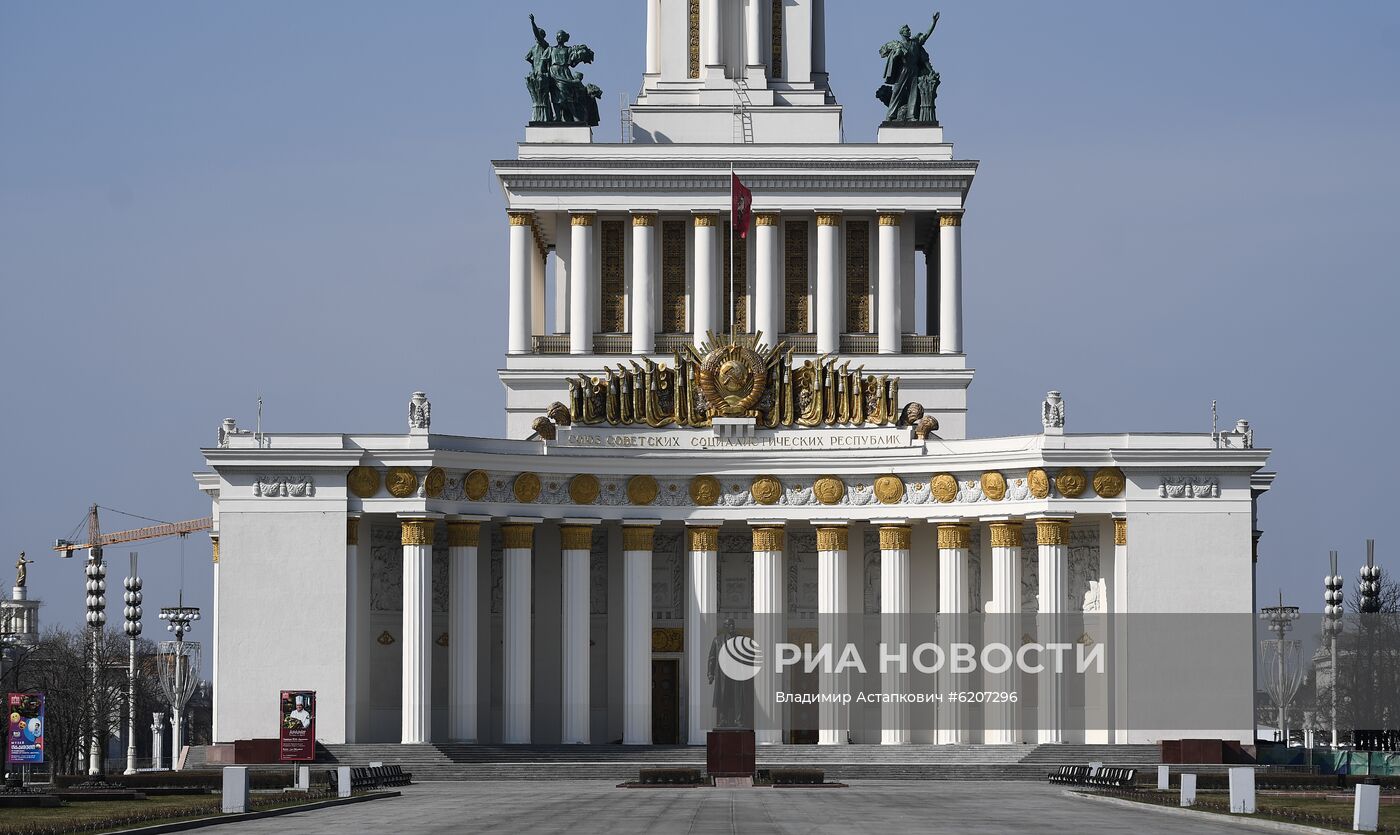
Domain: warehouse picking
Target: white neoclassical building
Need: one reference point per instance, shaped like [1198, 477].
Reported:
[715, 426]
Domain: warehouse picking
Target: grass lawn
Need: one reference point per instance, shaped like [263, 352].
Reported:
[116, 815]
[1310, 811]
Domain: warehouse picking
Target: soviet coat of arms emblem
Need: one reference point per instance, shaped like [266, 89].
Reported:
[732, 378]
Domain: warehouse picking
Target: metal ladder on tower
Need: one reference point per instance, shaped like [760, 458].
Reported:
[743, 118]
[626, 118]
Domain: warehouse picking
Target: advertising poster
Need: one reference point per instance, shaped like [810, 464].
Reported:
[24, 734]
[297, 726]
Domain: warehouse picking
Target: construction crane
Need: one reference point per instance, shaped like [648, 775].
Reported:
[97, 539]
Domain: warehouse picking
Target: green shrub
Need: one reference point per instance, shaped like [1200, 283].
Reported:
[670, 776]
[797, 776]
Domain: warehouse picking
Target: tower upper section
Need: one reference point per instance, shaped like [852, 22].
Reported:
[708, 60]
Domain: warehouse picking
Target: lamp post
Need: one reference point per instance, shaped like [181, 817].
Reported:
[96, 573]
[1280, 619]
[179, 670]
[1332, 627]
[132, 583]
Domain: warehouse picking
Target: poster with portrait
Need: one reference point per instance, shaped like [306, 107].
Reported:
[296, 731]
[24, 731]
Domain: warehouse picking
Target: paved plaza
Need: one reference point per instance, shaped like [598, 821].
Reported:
[591, 806]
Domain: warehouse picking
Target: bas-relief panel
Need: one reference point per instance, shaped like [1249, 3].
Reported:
[1084, 589]
[736, 574]
[974, 571]
[598, 573]
[386, 570]
[667, 583]
[802, 577]
[872, 572]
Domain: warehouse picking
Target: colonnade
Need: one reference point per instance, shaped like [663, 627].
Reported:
[706, 293]
[701, 608]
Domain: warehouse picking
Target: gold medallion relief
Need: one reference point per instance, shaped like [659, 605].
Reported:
[829, 489]
[363, 481]
[526, 487]
[584, 489]
[766, 489]
[1039, 482]
[994, 485]
[475, 484]
[401, 482]
[642, 489]
[1071, 482]
[944, 487]
[433, 482]
[889, 489]
[704, 490]
[1109, 482]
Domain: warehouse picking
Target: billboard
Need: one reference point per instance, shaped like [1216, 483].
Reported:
[296, 727]
[24, 732]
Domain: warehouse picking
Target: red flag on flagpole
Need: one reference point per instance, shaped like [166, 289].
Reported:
[741, 210]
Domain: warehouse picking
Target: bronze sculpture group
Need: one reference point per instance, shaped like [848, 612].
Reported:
[556, 90]
[910, 91]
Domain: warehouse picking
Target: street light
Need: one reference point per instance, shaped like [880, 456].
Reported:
[132, 627]
[1282, 683]
[179, 670]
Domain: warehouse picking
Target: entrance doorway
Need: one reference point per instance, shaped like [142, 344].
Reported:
[665, 701]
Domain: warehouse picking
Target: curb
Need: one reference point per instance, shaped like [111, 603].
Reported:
[1186, 812]
[200, 823]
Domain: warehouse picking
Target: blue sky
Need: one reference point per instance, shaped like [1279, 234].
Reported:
[202, 202]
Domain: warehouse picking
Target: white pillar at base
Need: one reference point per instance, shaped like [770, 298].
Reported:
[706, 296]
[417, 541]
[1366, 808]
[701, 610]
[954, 541]
[520, 315]
[1242, 791]
[517, 557]
[1188, 790]
[643, 283]
[158, 741]
[581, 281]
[894, 629]
[769, 609]
[828, 285]
[767, 283]
[234, 798]
[1004, 625]
[834, 723]
[1052, 539]
[950, 284]
[636, 639]
[576, 546]
[891, 259]
[463, 541]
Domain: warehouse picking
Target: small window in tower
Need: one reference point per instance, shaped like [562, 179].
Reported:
[673, 276]
[858, 276]
[795, 276]
[614, 280]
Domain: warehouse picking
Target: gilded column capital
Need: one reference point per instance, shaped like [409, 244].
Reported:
[766, 219]
[706, 219]
[829, 219]
[702, 539]
[891, 218]
[767, 538]
[463, 534]
[1051, 532]
[638, 537]
[895, 537]
[644, 219]
[416, 532]
[950, 219]
[521, 218]
[1006, 534]
[214, 541]
[954, 536]
[1120, 531]
[832, 538]
[518, 535]
[576, 537]
[352, 531]
[581, 219]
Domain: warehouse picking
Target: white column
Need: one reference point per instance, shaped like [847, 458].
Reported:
[463, 539]
[888, 325]
[581, 279]
[769, 599]
[1119, 605]
[1052, 538]
[701, 610]
[518, 541]
[636, 628]
[710, 33]
[213, 645]
[706, 296]
[1004, 627]
[576, 544]
[894, 628]
[352, 622]
[828, 285]
[767, 283]
[417, 540]
[537, 289]
[753, 32]
[653, 65]
[521, 310]
[643, 283]
[832, 611]
[954, 541]
[950, 283]
[157, 741]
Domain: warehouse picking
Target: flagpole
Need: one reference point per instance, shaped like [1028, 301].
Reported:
[732, 243]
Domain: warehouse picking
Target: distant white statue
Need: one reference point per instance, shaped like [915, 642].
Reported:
[1052, 411]
[420, 411]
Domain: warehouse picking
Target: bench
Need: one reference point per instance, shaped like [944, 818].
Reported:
[1074, 775]
[373, 777]
[1114, 778]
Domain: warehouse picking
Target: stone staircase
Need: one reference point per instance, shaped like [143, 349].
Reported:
[847, 762]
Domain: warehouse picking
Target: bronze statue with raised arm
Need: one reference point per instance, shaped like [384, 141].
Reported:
[911, 85]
